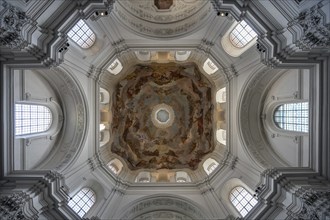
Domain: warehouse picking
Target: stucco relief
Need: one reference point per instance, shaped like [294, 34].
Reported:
[146, 18]
[11, 22]
[163, 206]
[189, 135]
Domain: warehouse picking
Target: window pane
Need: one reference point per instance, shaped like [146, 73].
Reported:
[292, 117]
[82, 35]
[242, 200]
[82, 201]
[242, 34]
[31, 119]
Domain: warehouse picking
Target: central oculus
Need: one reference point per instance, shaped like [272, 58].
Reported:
[162, 117]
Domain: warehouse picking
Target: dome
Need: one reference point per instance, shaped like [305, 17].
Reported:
[164, 109]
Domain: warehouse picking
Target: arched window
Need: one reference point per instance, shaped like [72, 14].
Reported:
[292, 116]
[210, 165]
[221, 136]
[242, 34]
[221, 95]
[115, 166]
[82, 201]
[242, 200]
[182, 177]
[115, 67]
[30, 119]
[209, 67]
[82, 35]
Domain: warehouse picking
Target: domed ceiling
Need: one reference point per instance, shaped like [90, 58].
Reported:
[162, 117]
[162, 18]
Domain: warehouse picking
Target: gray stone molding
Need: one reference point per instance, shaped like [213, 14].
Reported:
[154, 203]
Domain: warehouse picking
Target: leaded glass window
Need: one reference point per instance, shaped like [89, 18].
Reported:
[30, 119]
[292, 117]
[242, 34]
[242, 200]
[82, 35]
[82, 201]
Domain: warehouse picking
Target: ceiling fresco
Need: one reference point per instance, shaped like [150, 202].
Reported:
[162, 117]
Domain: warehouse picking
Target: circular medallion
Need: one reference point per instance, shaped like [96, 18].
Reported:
[162, 116]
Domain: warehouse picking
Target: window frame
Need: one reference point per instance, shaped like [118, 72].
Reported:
[29, 113]
[276, 124]
[56, 120]
[74, 33]
[231, 194]
[230, 49]
[81, 199]
[239, 34]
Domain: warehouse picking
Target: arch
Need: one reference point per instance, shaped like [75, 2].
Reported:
[82, 35]
[209, 67]
[159, 203]
[210, 165]
[82, 201]
[250, 123]
[73, 100]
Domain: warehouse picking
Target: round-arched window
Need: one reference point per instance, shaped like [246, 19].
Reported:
[242, 34]
[30, 119]
[242, 200]
[292, 116]
[83, 201]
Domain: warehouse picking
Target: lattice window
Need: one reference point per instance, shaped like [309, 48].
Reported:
[30, 119]
[82, 201]
[82, 35]
[242, 200]
[292, 117]
[242, 34]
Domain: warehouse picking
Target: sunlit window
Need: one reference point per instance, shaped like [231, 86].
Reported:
[242, 200]
[181, 180]
[144, 180]
[242, 34]
[292, 117]
[82, 34]
[113, 168]
[30, 119]
[82, 201]
[115, 67]
[221, 95]
[209, 67]
[210, 165]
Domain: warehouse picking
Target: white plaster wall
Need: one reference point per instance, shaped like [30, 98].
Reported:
[293, 147]
[39, 90]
